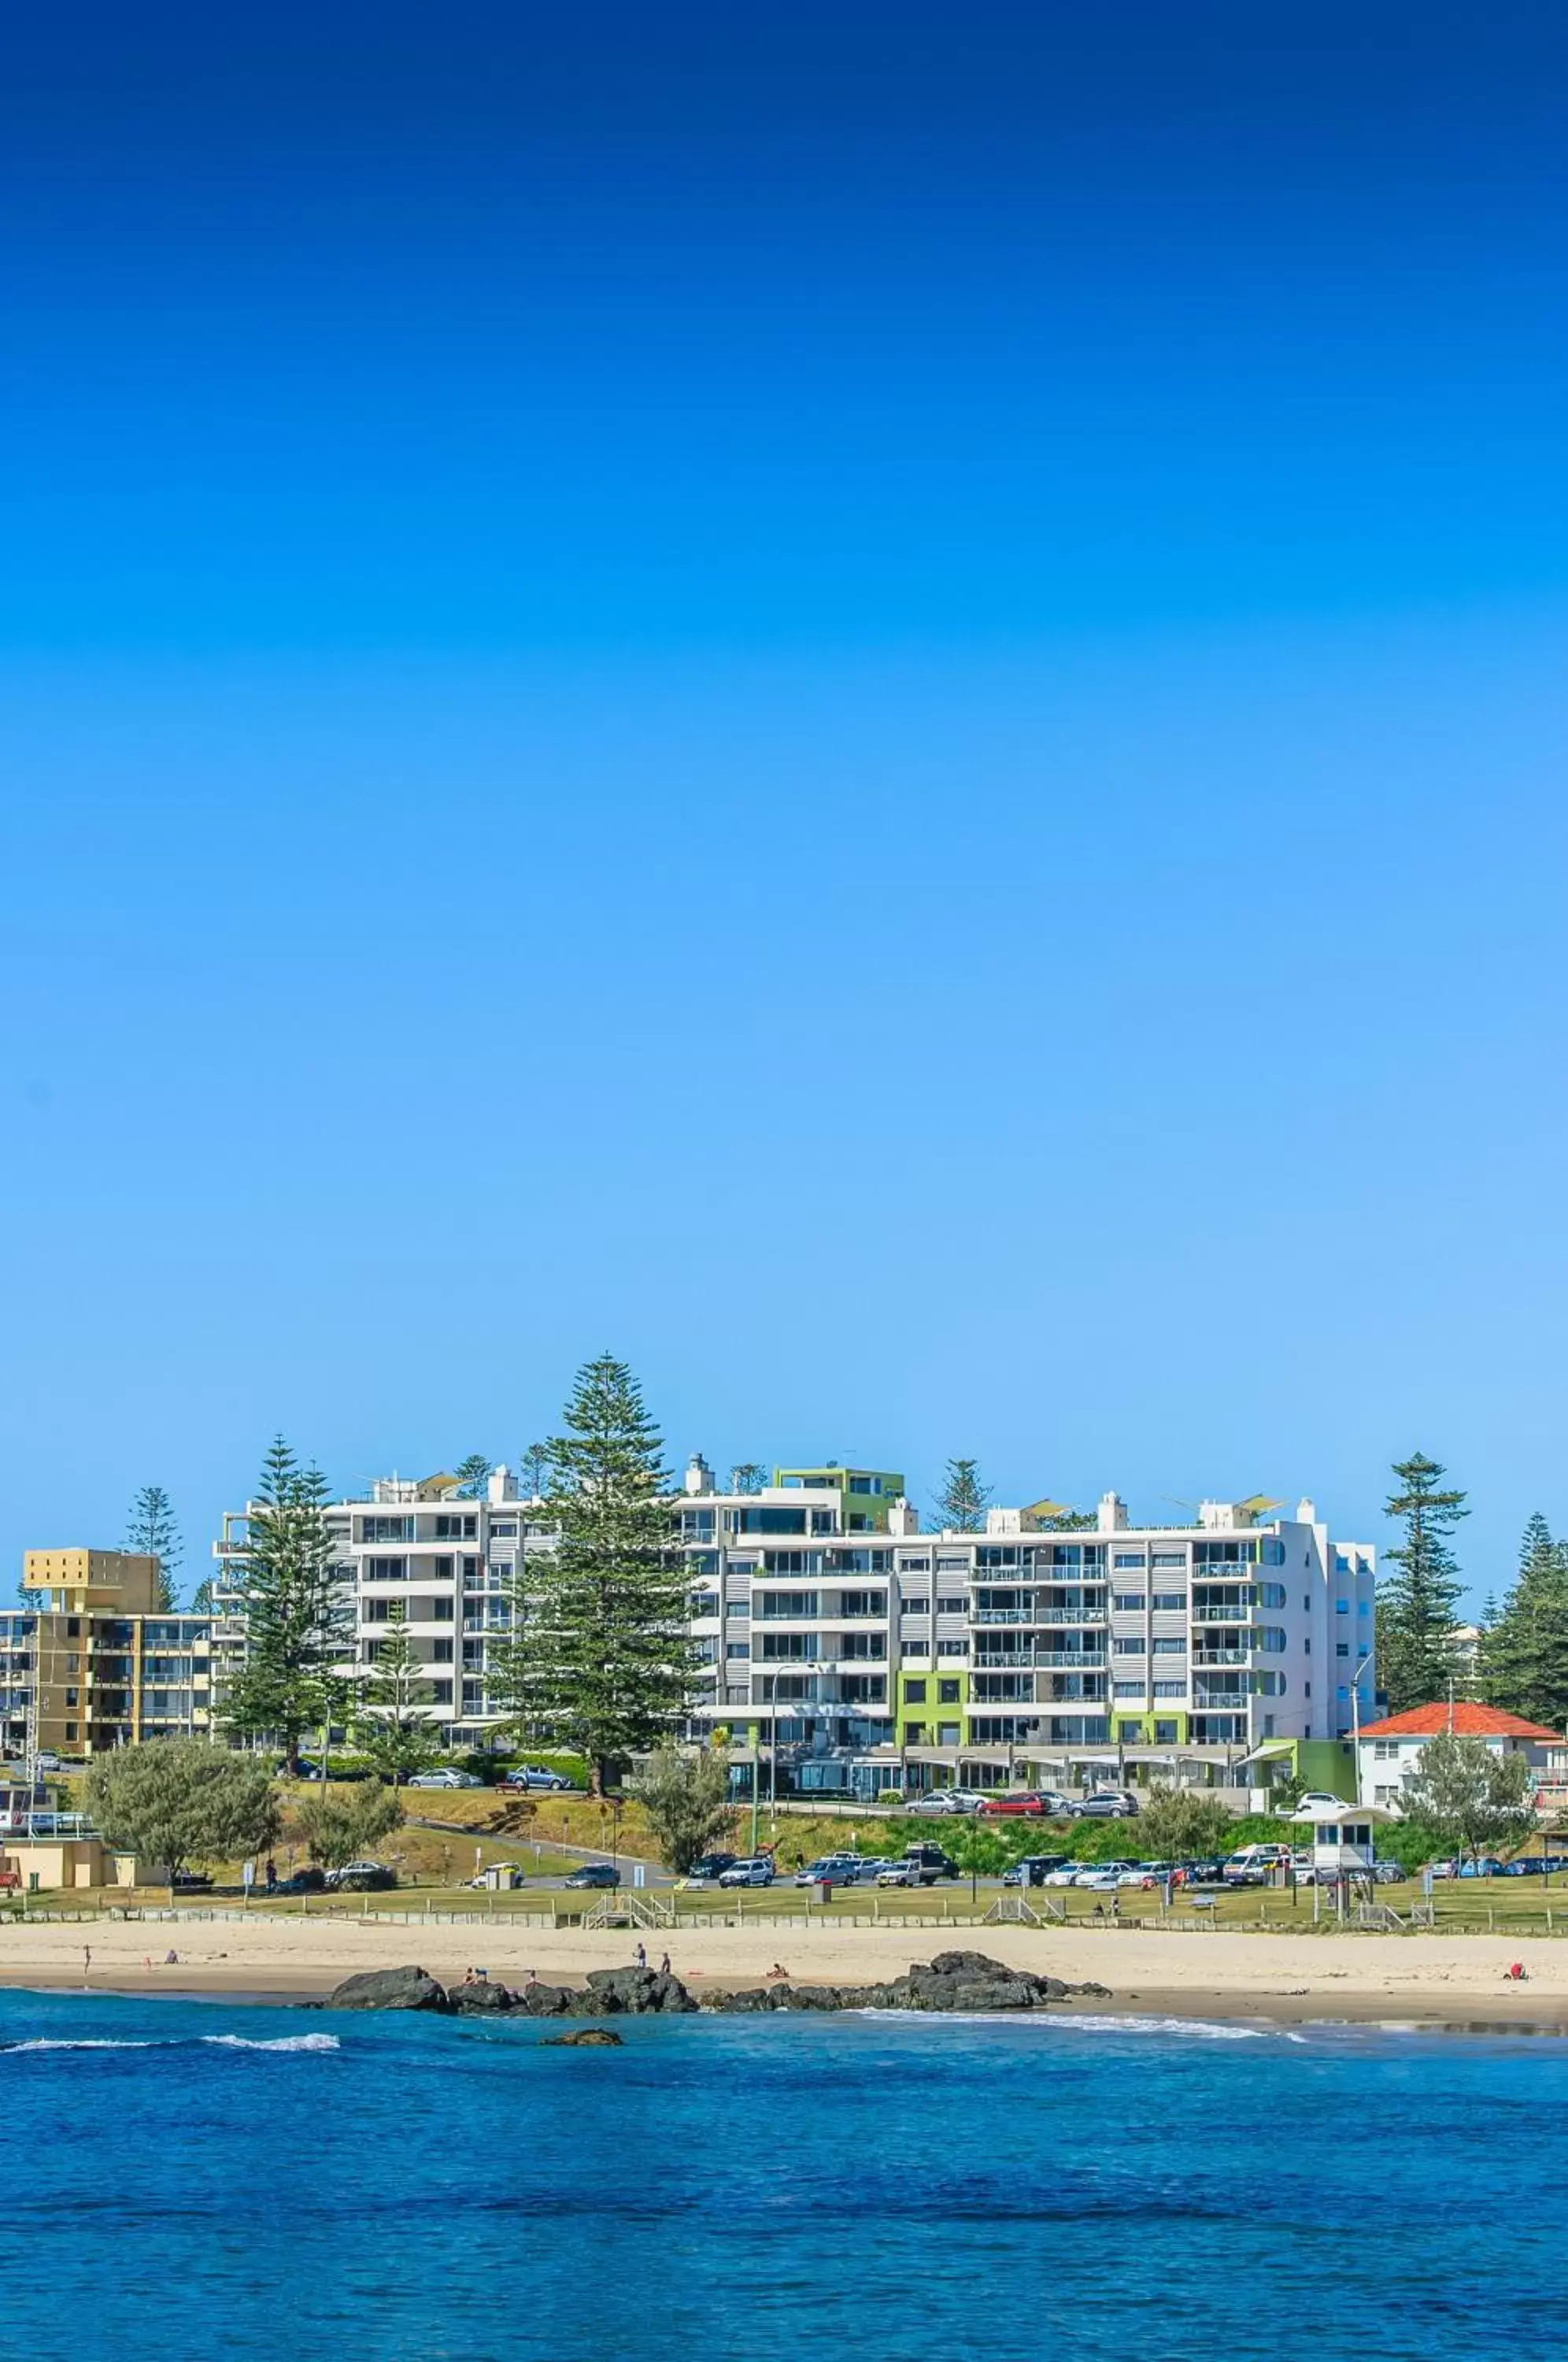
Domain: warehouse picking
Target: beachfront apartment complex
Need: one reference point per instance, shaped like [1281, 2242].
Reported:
[93, 1663]
[849, 1651]
[418, 1552]
[858, 1652]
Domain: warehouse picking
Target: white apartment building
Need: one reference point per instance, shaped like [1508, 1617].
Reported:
[446, 1561]
[866, 1654]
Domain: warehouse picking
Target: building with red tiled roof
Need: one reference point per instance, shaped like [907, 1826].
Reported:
[1388, 1752]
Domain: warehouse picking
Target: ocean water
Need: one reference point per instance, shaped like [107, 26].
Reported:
[192, 2180]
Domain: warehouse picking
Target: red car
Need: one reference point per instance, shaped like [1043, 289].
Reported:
[1024, 1802]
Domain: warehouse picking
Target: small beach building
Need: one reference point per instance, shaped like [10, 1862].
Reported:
[1343, 1837]
[1388, 1753]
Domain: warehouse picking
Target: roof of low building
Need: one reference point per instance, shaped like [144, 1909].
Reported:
[1464, 1718]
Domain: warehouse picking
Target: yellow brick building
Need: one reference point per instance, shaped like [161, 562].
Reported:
[106, 1666]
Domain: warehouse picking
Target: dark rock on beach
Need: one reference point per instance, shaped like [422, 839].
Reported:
[954, 1980]
[631, 1992]
[389, 1988]
[586, 2037]
[481, 1998]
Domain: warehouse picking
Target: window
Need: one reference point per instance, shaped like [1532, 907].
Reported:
[1386, 1750]
[1364, 1607]
[914, 1648]
[952, 1648]
[440, 1652]
[914, 1566]
[1128, 1558]
[1128, 1733]
[504, 1530]
[1271, 1594]
[790, 1603]
[950, 1607]
[1170, 1648]
[1342, 1608]
[1342, 1648]
[1170, 1689]
[914, 1692]
[917, 1608]
[456, 1529]
[949, 1692]
[1127, 1648]
[1165, 1734]
[950, 1565]
[386, 1529]
[1127, 1689]
[947, 1735]
[916, 1734]
[863, 1603]
[1169, 1603]
[1170, 1558]
[738, 1607]
[444, 1567]
[386, 1570]
[470, 1570]
[1129, 1603]
[737, 1648]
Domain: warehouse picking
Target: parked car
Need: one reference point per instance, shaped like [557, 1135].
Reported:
[48, 1761]
[1319, 1799]
[1107, 1804]
[1066, 1875]
[1146, 1874]
[593, 1873]
[709, 1866]
[928, 1863]
[448, 1777]
[1030, 1801]
[1100, 1881]
[359, 1877]
[191, 1882]
[757, 1872]
[830, 1868]
[1389, 1873]
[935, 1800]
[1033, 1869]
[308, 1880]
[537, 1775]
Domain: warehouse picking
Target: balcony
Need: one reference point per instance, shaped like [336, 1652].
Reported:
[1023, 1659]
[1221, 1615]
[1221, 1656]
[1039, 1618]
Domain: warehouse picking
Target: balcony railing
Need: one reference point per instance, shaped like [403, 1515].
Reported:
[1042, 1618]
[1065, 1660]
[1220, 1656]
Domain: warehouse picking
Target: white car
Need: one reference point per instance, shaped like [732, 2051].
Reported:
[1069, 1876]
[1100, 1881]
[1318, 1800]
[449, 1777]
[936, 1801]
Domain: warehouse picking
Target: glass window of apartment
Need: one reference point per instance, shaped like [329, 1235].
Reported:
[917, 1734]
[1127, 1559]
[1342, 1608]
[1127, 1689]
[914, 1566]
[951, 1606]
[1170, 1558]
[950, 1565]
[1133, 1647]
[737, 1647]
[914, 1648]
[1170, 1603]
[1128, 1733]
[1165, 1734]
[1170, 1689]
[917, 1608]
[1342, 1648]
[947, 1735]
[386, 1570]
[1170, 1648]
[738, 1607]
[948, 1692]
[863, 1603]
[952, 1648]
[1129, 1603]
[386, 1529]
[914, 1692]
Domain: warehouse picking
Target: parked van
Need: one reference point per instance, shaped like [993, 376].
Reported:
[1255, 1865]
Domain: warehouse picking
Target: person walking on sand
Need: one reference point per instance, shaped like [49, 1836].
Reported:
[640, 1956]
[664, 1966]
[86, 1962]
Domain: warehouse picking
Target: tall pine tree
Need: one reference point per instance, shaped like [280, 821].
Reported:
[598, 1653]
[153, 1533]
[394, 1721]
[1524, 1653]
[961, 1504]
[1416, 1607]
[295, 1617]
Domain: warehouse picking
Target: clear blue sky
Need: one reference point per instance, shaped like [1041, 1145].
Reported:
[868, 701]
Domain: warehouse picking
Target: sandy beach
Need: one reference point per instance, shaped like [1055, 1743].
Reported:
[1441, 1980]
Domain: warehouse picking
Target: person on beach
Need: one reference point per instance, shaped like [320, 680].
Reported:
[640, 1956]
[776, 1970]
[86, 1962]
[664, 1966]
